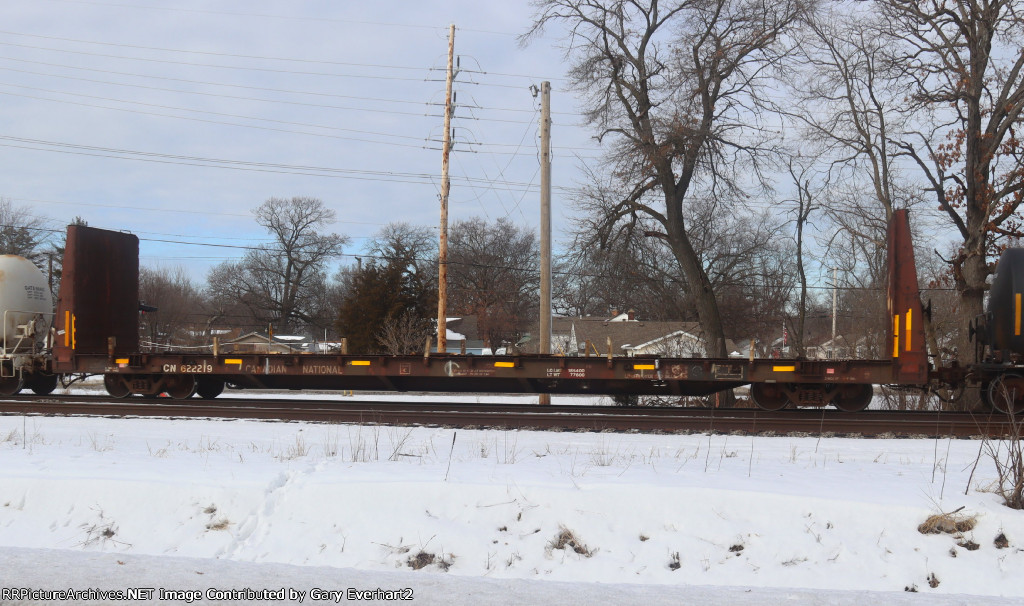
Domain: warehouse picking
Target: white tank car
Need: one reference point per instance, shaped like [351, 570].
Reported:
[26, 306]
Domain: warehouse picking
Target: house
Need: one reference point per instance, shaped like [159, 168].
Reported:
[459, 342]
[678, 344]
[840, 348]
[259, 342]
[627, 335]
[326, 347]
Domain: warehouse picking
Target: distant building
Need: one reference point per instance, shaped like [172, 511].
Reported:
[627, 335]
[841, 348]
[460, 342]
[258, 342]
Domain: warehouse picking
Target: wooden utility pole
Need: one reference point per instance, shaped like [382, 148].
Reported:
[835, 307]
[545, 224]
[442, 255]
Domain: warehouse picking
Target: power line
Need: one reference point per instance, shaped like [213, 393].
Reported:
[323, 171]
[251, 126]
[375, 110]
[216, 66]
[531, 77]
[291, 17]
[235, 86]
[214, 54]
[212, 113]
[192, 119]
[209, 83]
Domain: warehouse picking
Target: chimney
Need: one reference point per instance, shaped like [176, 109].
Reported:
[631, 314]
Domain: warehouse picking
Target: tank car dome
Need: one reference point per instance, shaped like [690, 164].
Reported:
[26, 306]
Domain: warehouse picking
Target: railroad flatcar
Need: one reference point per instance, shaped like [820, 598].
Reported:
[95, 332]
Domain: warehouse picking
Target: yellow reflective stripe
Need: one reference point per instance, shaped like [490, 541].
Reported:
[74, 336]
[784, 368]
[643, 367]
[896, 336]
[359, 363]
[504, 364]
[67, 328]
[909, 323]
[233, 361]
[121, 361]
[1016, 315]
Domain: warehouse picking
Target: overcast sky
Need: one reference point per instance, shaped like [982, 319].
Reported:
[174, 119]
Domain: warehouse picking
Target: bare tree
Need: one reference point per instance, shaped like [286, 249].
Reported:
[802, 176]
[747, 259]
[414, 245]
[963, 64]
[404, 334]
[22, 232]
[848, 106]
[493, 274]
[177, 319]
[281, 283]
[675, 87]
[599, 275]
[849, 111]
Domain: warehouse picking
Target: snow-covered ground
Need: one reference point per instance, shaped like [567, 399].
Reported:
[495, 516]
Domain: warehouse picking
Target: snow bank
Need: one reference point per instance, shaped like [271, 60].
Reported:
[646, 515]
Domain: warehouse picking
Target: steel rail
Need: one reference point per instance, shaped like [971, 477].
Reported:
[484, 406]
[575, 418]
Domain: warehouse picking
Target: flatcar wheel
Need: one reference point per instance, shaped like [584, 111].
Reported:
[116, 386]
[1006, 394]
[181, 387]
[10, 385]
[854, 397]
[42, 385]
[209, 388]
[769, 396]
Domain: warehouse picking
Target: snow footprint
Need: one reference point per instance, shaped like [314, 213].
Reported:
[255, 527]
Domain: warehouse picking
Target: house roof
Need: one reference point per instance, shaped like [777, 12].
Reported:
[465, 326]
[669, 337]
[598, 330]
[257, 336]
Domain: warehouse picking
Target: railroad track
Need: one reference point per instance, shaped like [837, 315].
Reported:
[532, 416]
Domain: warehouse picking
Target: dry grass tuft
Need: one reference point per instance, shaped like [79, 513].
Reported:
[567, 539]
[424, 558]
[1001, 542]
[421, 560]
[948, 523]
[221, 524]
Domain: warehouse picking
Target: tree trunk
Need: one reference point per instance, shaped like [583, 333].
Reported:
[704, 300]
[972, 292]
